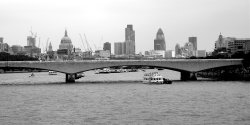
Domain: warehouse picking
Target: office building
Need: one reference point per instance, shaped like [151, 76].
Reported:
[201, 53]
[107, 46]
[147, 53]
[102, 54]
[159, 42]
[193, 40]
[158, 54]
[31, 41]
[238, 45]
[4, 47]
[17, 49]
[177, 50]
[1, 39]
[247, 46]
[118, 48]
[129, 40]
[170, 54]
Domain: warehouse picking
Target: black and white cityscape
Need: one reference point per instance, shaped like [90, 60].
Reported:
[125, 62]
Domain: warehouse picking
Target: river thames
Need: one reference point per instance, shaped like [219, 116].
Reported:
[121, 99]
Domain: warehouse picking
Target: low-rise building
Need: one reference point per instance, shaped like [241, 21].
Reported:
[170, 54]
[17, 49]
[247, 46]
[158, 53]
[102, 54]
[238, 45]
[201, 53]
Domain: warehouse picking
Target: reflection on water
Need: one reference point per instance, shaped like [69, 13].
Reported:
[198, 102]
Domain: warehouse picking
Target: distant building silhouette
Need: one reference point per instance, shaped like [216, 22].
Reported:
[118, 47]
[31, 41]
[159, 42]
[129, 40]
[31, 49]
[239, 45]
[193, 40]
[4, 47]
[65, 47]
[50, 47]
[66, 43]
[222, 42]
[127, 47]
[178, 50]
[107, 46]
[1, 39]
[17, 49]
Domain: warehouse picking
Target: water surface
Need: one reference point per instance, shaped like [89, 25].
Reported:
[45, 100]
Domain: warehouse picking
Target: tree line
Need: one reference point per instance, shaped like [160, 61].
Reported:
[7, 57]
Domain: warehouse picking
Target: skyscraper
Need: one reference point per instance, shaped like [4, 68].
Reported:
[159, 42]
[107, 46]
[118, 48]
[129, 40]
[1, 39]
[193, 40]
[31, 41]
[177, 50]
[129, 33]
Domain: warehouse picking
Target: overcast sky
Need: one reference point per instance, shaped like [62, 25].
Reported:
[106, 20]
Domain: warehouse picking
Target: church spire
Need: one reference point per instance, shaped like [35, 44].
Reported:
[66, 33]
[50, 47]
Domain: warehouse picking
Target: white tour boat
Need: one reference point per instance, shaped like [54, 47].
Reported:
[103, 71]
[52, 73]
[155, 78]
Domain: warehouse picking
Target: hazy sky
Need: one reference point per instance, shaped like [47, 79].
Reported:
[105, 21]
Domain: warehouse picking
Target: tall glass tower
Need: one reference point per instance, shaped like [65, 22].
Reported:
[129, 40]
[159, 42]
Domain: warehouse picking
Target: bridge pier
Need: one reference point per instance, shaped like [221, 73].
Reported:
[70, 78]
[186, 76]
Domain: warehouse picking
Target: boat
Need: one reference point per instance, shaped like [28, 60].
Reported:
[115, 70]
[166, 81]
[80, 75]
[32, 75]
[52, 73]
[103, 71]
[155, 78]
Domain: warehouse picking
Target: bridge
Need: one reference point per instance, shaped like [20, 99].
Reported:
[187, 67]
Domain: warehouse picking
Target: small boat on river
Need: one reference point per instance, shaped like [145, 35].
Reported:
[155, 78]
[52, 73]
[32, 75]
[103, 71]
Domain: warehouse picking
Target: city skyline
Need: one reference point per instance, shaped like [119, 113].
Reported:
[104, 21]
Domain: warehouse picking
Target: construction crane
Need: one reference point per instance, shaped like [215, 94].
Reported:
[32, 34]
[39, 42]
[47, 45]
[83, 42]
[100, 43]
[95, 46]
[88, 46]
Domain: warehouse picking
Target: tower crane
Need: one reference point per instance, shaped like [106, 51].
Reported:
[83, 42]
[88, 46]
[39, 43]
[95, 46]
[47, 45]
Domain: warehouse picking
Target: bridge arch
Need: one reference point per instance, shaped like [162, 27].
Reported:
[162, 67]
[185, 66]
